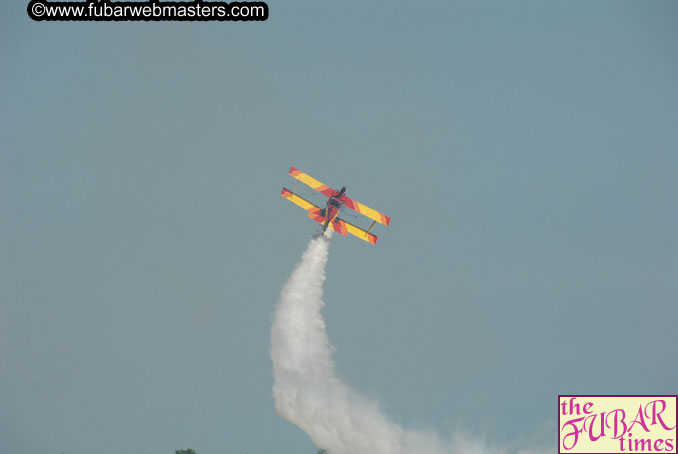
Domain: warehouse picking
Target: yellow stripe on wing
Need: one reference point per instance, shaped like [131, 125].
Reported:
[372, 214]
[312, 182]
[367, 211]
[358, 232]
[292, 197]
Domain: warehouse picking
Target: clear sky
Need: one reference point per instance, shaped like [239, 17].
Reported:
[527, 153]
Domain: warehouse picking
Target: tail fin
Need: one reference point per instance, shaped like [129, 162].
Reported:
[316, 215]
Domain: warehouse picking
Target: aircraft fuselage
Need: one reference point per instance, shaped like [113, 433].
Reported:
[331, 210]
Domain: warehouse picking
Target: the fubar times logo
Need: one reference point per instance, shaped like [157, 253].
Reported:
[617, 424]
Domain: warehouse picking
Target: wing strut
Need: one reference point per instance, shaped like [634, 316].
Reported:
[368, 230]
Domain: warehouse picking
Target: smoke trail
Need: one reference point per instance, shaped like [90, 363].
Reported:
[307, 391]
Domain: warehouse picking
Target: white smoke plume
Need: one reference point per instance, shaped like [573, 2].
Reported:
[307, 391]
[309, 394]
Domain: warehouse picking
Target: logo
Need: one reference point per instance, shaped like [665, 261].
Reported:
[617, 424]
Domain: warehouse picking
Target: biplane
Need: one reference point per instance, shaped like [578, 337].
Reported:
[329, 215]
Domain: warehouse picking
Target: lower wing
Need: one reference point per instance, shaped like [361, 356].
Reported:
[343, 227]
[300, 201]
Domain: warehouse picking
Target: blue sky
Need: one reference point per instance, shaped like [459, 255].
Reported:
[526, 152]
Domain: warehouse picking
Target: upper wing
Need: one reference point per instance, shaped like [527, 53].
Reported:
[292, 197]
[366, 211]
[343, 227]
[312, 182]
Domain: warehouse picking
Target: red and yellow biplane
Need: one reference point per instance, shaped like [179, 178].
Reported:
[329, 216]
